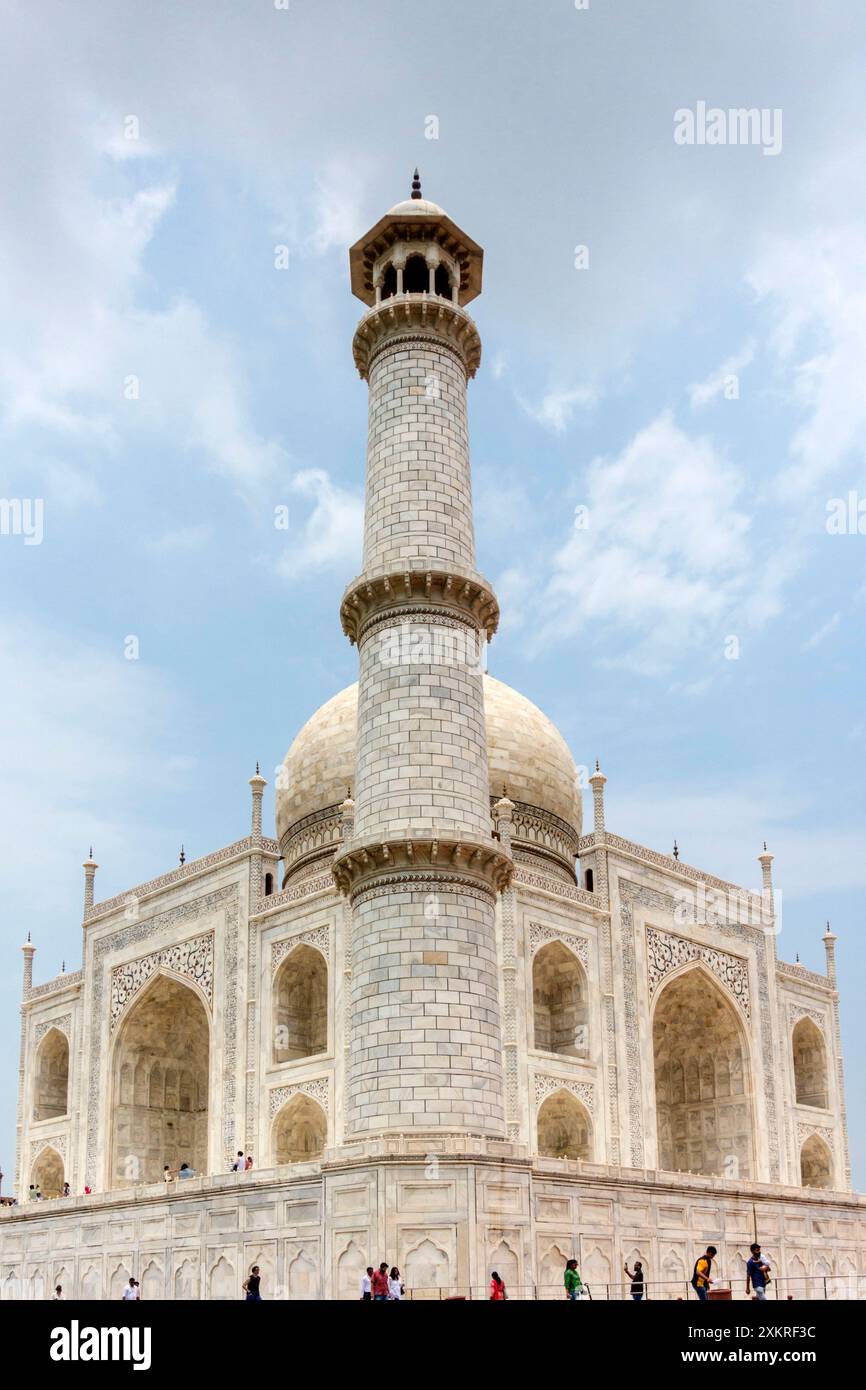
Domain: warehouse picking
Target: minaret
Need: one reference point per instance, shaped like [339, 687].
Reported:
[422, 868]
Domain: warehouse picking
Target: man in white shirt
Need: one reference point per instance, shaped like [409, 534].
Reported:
[367, 1285]
[57, 1296]
[129, 1294]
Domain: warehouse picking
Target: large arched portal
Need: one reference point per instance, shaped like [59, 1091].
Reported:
[816, 1163]
[160, 1073]
[559, 1001]
[301, 1005]
[50, 1099]
[46, 1175]
[300, 1131]
[703, 1087]
[810, 1065]
[563, 1127]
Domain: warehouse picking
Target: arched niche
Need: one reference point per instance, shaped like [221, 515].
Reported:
[300, 1131]
[816, 1163]
[160, 1070]
[559, 1001]
[51, 1090]
[564, 1129]
[703, 1090]
[47, 1173]
[301, 1005]
[810, 1065]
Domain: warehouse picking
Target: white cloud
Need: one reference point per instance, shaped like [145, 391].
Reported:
[702, 392]
[664, 557]
[331, 533]
[823, 631]
[556, 409]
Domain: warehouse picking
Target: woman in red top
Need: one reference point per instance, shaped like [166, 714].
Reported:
[497, 1288]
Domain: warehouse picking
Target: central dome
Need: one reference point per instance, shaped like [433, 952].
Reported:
[527, 755]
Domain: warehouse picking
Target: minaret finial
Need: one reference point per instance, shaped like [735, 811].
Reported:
[258, 774]
[676, 850]
[182, 855]
[416, 185]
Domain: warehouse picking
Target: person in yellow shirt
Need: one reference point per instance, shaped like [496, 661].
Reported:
[701, 1280]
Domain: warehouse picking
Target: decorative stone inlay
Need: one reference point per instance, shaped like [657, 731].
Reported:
[53, 1141]
[799, 972]
[193, 958]
[403, 319]
[131, 934]
[404, 862]
[307, 889]
[583, 1090]
[548, 884]
[545, 834]
[318, 1090]
[666, 952]
[798, 1011]
[310, 839]
[539, 934]
[418, 594]
[320, 937]
[804, 1131]
[188, 870]
[60, 982]
[63, 1023]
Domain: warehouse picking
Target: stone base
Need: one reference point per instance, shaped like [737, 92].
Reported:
[446, 1219]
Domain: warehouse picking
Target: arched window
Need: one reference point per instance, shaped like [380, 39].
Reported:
[563, 1127]
[389, 282]
[47, 1173]
[810, 1065]
[559, 1001]
[160, 1069]
[816, 1163]
[301, 1005]
[52, 1076]
[300, 1131]
[416, 276]
[703, 1104]
[269, 885]
[442, 281]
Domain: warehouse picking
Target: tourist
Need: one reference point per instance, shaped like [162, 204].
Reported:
[66, 1189]
[757, 1273]
[497, 1288]
[87, 1189]
[251, 1285]
[572, 1281]
[166, 1173]
[128, 1294]
[636, 1280]
[238, 1165]
[57, 1296]
[39, 1196]
[379, 1283]
[367, 1285]
[701, 1280]
[248, 1163]
[185, 1171]
[31, 1195]
[137, 1287]
[395, 1286]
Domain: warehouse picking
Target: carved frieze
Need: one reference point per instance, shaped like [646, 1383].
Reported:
[319, 937]
[583, 1090]
[666, 952]
[317, 1089]
[540, 934]
[193, 958]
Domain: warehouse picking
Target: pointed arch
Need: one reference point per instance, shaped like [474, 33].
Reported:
[563, 1127]
[426, 1267]
[164, 1034]
[186, 1280]
[300, 1131]
[223, 1280]
[303, 1277]
[46, 1174]
[703, 1089]
[816, 1163]
[350, 1266]
[504, 1259]
[559, 1001]
[300, 1005]
[51, 1089]
[810, 1065]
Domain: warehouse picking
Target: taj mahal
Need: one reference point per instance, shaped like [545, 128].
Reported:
[458, 1023]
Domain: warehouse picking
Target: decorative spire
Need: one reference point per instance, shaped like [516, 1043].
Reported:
[258, 774]
[416, 185]
[676, 850]
[182, 855]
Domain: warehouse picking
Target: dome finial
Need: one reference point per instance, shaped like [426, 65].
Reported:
[182, 855]
[676, 850]
[416, 185]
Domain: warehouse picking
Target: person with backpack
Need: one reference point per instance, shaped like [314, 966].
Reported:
[757, 1274]
[701, 1280]
[572, 1281]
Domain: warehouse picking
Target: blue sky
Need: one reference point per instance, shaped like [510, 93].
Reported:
[602, 387]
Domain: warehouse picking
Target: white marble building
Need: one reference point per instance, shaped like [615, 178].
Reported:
[456, 1028]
